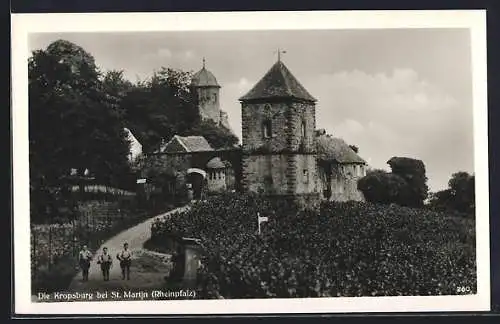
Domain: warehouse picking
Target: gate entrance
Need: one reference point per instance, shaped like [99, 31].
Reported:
[196, 177]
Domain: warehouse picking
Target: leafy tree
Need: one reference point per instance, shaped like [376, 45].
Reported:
[413, 172]
[160, 107]
[459, 196]
[73, 122]
[116, 87]
[383, 187]
[218, 137]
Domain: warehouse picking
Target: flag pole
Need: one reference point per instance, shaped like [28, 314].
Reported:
[258, 221]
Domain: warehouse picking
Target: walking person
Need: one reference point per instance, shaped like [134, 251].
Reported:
[125, 258]
[106, 262]
[85, 256]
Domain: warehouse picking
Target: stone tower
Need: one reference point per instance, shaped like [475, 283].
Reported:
[205, 86]
[278, 137]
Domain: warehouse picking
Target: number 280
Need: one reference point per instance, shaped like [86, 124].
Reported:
[462, 289]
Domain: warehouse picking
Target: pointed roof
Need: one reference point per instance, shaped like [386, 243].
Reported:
[204, 78]
[336, 149]
[278, 82]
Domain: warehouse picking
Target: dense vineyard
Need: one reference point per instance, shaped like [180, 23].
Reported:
[345, 249]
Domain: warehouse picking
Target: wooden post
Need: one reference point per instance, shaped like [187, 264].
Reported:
[50, 247]
[192, 251]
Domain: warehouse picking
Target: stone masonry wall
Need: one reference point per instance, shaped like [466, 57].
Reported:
[287, 156]
[209, 108]
[265, 173]
[345, 182]
[306, 174]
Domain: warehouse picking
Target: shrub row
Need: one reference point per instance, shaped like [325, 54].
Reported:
[344, 249]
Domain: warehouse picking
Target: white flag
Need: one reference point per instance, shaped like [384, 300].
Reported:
[260, 220]
[263, 219]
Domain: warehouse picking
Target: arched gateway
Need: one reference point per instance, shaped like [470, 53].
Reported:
[196, 178]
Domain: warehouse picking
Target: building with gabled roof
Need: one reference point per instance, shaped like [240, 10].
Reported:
[135, 147]
[186, 144]
[282, 153]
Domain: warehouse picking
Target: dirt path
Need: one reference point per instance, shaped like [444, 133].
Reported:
[135, 237]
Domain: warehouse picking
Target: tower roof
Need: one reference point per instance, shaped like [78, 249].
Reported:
[204, 78]
[216, 163]
[278, 82]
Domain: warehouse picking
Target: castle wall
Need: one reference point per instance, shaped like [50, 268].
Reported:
[230, 179]
[306, 174]
[224, 121]
[253, 117]
[284, 162]
[286, 120]
[208, 101]
[344, 181]
[265, 173]
[166, 163]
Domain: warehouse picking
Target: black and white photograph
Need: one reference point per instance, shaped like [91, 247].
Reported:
[252, 163]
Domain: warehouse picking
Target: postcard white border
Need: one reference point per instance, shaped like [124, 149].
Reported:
[23, 24]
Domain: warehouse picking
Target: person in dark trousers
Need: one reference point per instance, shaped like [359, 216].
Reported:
[178, 260]
[106, 262]
[125, 258]
[84, 258]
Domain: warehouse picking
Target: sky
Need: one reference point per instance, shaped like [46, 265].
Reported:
[391, 92]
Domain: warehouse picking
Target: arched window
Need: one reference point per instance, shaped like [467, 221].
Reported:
[215, 97]
[267, 128]
[303, 129]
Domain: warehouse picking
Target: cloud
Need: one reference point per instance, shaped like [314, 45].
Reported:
[188, 55]
[350, 126]
[395, 114]
[164, 52]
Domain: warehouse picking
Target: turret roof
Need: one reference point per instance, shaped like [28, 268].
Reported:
[278, 82]
[204, 78]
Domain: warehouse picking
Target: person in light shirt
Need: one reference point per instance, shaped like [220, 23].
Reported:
[84, 258]
[125, 258]
[106, 262]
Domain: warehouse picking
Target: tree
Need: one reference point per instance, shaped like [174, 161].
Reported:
[218, 137]
[73, 122]
[382, 187]
[413, 172]
[459, 196]
[160, 107]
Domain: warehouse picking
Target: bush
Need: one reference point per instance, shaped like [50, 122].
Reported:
[347, 249]
[413, 172]
[459, 197]
[382, 187]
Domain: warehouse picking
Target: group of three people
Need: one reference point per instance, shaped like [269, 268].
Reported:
[106, 262]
